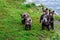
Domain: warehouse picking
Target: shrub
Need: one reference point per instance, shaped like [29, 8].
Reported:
[30, 5]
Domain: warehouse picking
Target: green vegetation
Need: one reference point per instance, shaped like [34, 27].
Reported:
[30, 5]
[57, 17]
[11, 27]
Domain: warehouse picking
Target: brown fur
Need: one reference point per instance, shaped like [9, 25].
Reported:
[28, 23]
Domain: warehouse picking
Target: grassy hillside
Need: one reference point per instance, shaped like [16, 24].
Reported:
[11, 27]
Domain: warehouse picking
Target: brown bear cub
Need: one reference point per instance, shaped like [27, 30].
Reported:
[51, 20]
[28, 23]
[24, 16]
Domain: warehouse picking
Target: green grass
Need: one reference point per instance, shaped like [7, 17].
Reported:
[57, 18]
[11, 27]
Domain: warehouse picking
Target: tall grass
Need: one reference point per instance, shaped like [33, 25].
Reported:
[11, 27]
